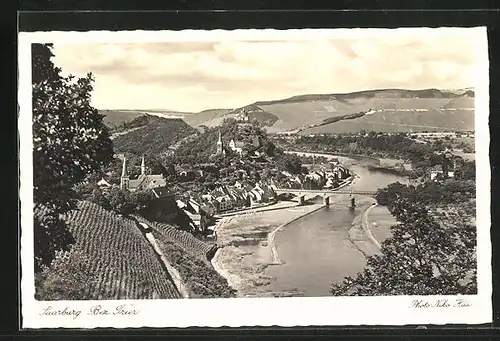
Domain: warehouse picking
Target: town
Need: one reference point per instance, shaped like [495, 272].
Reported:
[312, 195]
[237, 196]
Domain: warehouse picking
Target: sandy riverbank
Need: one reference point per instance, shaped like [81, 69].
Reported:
[244, 252]
[358, 234]
[371, 228]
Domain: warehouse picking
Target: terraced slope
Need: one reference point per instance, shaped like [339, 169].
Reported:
[187, 241]
[191, 257]
[201, 279]
[113, 258]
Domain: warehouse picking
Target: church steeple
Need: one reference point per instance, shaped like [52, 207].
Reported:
[124, 180]
[124, 167]
[143, 166]
[220, 148]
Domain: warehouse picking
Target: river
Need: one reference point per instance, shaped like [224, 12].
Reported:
[316, 250]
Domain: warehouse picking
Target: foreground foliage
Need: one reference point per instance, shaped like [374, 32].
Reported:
[69, 142]
[424, 256]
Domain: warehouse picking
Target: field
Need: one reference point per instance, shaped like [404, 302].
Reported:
[191, 261]
[402, 121]
[392, 114]
[395, 110]
[187, 241]
[111, 259]
[191, 257]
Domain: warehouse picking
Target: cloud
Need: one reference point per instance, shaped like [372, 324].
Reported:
[199, 75]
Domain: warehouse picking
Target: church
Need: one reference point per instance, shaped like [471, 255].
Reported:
[143, 181]
[235, 146]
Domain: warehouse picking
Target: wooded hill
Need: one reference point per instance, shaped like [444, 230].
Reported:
[148, 134]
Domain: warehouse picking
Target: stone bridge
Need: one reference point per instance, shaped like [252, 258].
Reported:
[325, 193]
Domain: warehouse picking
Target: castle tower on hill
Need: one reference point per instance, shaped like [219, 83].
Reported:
[143, 166]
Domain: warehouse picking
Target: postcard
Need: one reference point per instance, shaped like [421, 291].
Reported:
[333, 177]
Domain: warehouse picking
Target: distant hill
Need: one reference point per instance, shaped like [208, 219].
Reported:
[388, 110]
[114, 118]
[394, 110]
[209, 117]
[151, 135]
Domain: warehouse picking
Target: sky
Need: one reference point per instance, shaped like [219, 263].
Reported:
[194, 76]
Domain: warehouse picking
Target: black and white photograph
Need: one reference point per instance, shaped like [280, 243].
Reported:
[255, 173]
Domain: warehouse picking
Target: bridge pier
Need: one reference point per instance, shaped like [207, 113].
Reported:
[353, 203]
[326, 200]
[302, 200]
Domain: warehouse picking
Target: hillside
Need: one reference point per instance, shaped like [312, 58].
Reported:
[204, 145]
[390, 111]
[151, 135]
[394, 110]
[112, 259]
[192, 258]
[207, 117]
[114, 118]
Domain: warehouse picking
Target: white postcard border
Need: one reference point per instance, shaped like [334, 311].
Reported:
[238, 312]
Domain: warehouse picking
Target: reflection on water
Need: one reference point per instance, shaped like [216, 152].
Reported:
[316, 250]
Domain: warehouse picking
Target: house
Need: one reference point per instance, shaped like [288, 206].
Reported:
[331, 183]
[236, 146]
[269, 194]
[224, 203]
[103, 183]
[161, 192]
[143, 181]
[340, 172]
[164, 208]
[334, 162]
[182, 172]
[436, 171]
[316, 176]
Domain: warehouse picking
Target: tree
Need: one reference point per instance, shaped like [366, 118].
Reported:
[70, 141]
[290, 163]
[421, 258]
[69, 279]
